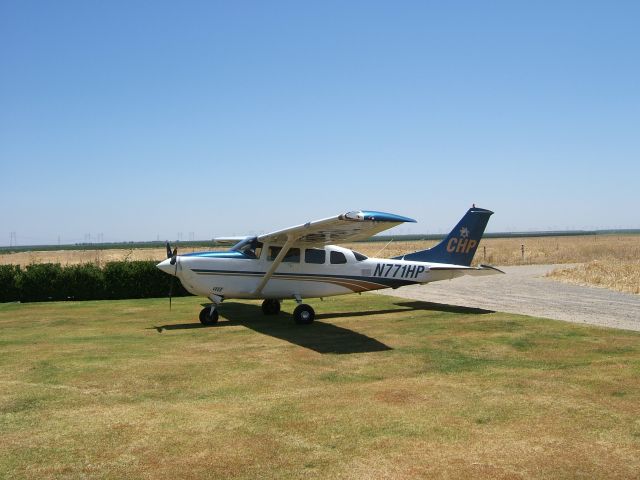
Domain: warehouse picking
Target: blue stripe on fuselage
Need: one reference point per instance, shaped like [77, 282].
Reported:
[228, 254]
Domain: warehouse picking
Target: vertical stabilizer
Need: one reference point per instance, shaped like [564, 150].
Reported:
[460, 245]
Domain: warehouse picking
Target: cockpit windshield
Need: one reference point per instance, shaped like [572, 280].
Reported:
[250, 246]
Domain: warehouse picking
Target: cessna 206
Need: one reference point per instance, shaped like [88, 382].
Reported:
[300, 262]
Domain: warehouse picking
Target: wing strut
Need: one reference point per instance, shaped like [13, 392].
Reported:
[276, 263]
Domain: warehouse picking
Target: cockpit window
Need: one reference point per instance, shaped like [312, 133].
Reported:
[337, 257]
[251, 247]
[359, 257]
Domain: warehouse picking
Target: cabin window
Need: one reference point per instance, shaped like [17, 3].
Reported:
[337, 257]
[273, 253]
[314, 255]
[292, 256]
[359, 257]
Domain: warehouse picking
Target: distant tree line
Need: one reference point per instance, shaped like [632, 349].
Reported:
[116, 280]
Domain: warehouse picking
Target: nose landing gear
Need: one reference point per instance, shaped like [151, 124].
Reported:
[209, 315]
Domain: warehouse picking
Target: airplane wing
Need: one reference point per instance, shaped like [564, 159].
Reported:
[228, 240]
[348, 227]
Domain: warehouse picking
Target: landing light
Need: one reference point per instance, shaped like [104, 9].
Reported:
[354, 215]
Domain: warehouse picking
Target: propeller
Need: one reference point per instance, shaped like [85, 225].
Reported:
[174, 261]
[172, 255]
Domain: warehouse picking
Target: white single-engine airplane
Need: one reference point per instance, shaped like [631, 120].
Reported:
[299, 262]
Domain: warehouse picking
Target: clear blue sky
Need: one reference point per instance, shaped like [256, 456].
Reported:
[140, 119]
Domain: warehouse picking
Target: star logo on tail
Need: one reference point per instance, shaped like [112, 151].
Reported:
[464, 232]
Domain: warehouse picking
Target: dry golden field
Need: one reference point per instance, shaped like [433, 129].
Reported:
[611, 273]
[99, 257]
[494, 251]
[612, 261]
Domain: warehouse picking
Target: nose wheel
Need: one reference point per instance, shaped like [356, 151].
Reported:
[209, 315]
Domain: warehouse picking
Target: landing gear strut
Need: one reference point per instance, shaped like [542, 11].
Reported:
[271, 306]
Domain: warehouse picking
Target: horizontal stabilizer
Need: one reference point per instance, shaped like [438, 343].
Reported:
[482, 270]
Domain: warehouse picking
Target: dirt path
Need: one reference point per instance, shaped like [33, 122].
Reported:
[525, 290]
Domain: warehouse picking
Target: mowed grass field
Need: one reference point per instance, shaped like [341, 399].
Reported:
[378, 387]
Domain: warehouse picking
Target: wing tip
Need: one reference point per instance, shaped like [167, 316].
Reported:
[385, 217]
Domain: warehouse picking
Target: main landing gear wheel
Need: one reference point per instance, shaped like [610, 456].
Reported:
[271, 306]
[303, 314]
[208, 317]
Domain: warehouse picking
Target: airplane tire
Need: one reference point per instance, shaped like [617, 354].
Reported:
[271, 306]
[207, 317]
[303, 314]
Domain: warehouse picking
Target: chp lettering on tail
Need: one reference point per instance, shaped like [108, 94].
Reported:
[461, 244]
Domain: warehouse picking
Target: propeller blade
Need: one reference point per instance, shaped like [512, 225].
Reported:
[174, 261]
[173, 280]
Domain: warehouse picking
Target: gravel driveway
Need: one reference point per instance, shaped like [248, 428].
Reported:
[525, 290]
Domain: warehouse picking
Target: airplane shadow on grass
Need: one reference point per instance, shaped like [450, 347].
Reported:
[320, 337]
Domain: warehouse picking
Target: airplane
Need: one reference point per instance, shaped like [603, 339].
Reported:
[301, 262]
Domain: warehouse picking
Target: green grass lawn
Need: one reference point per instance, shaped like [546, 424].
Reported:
[378, 387]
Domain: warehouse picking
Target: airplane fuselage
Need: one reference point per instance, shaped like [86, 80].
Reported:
[307, 273]
[298, 262]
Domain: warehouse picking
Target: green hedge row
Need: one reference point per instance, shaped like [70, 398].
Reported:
[51, 281]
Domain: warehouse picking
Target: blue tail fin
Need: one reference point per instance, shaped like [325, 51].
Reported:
[460, 245]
